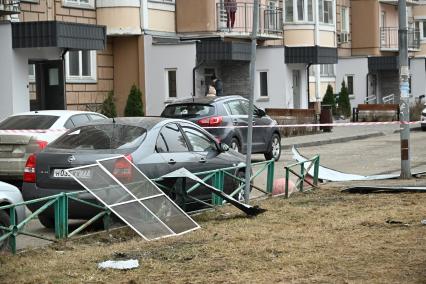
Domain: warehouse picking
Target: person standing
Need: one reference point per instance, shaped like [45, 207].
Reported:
[217, 83]
[231, 9]
[211, 92]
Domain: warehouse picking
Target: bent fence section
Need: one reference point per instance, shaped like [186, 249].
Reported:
[60, 202]
[303, 176]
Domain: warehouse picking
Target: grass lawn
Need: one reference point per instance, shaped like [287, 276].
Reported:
[319, 237]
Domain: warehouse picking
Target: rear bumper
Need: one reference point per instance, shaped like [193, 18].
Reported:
[76, 210]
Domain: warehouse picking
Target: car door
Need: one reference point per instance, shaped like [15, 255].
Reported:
[260, 129]
[239, 118]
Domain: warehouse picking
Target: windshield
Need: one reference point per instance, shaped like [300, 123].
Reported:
[188, 111]
[28, 122]
[101, 137]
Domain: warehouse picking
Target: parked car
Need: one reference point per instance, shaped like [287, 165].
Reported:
[156, 146]
[226, 118]
[25, 133]
[423, 121]
[9, 194]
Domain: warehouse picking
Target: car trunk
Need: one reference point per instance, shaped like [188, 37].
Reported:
[14, 151]
[51, 165]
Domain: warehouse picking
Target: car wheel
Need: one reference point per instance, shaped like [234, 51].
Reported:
[274, 151]
[46, 221]
[4, 222]
[424, 128]
[235, 145]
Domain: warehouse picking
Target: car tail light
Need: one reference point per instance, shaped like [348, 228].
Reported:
[29, 170]
[210, 121]
[41, 144]
[123, 170]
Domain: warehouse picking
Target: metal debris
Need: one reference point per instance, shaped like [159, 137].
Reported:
[119, 264]
[384, 189]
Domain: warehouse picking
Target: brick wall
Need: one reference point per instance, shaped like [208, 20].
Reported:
[78, 96]
[236, 78]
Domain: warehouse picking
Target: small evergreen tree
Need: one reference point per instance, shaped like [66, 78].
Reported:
[329, 99]
[108, 106]
[134, 105]
[344, 102]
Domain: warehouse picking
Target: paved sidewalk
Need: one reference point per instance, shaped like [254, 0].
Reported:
[341, 134]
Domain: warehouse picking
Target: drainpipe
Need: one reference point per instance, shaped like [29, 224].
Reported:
[307, 76]
[317, 66]
[65, 75]
[143, 14]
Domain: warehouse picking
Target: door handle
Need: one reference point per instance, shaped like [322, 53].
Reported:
[203, 160]
[172, 162]
[235, 122]
[254, 122]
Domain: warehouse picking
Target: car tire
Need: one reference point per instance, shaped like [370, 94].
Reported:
[235, 144]
[4, 222]
[424, 128]
[47, 222]
[274, 149]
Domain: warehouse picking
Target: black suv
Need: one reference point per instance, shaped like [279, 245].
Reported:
[227, 119]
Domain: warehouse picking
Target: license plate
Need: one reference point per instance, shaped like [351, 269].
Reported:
[61, 173]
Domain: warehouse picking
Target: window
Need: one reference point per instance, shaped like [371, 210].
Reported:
[199, 141]
[299, 11]
[80, 66]
[28, 122]
[424, 29]
[236, 108]
[80, 3]
[171, 83]
[263, 80]
[326, 11]
[172, 139]
[327, 70]
[344, 20]
[31, 72]
[188, 110]
[350, 84]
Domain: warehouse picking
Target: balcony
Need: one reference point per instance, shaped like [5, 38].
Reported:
[9, 7]
[389, 39]
[270, 20]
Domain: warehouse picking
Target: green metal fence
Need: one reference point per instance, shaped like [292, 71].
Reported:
[60, 203]
[304, 173]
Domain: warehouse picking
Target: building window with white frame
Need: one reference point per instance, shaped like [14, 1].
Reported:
[420, 27]
[171, 83]
[80, 3]
[31, 73]
[326, 11]
[80, 66]
[344, 27]
[263, 83]
[298, 11]
[327, 70]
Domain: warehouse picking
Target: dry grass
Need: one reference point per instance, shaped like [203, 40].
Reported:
[320, 237]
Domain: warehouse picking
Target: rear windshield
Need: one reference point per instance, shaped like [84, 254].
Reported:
[188, 110]
[28, 122]
[101, 137]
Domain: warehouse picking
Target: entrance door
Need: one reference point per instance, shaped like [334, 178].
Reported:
[50, 84]
[372, 88]
[296, 89]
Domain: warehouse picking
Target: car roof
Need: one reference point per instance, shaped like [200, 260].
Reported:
[146, 122]
[205, 100]
[54, 112]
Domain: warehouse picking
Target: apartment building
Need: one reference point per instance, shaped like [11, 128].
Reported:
[368, 62]
[54, 55]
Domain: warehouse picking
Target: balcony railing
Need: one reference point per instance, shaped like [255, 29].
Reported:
[9, 7]
[270, 20]
[389, 38]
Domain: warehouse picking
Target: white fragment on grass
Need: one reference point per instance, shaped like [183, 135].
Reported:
[423, 222]
[119, 264]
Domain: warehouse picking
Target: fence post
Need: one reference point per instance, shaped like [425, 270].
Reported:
[218, 179]
[12, 238]
[316, 170]
[61, 216]
[302, 174]
[287, 176]
[270, 179]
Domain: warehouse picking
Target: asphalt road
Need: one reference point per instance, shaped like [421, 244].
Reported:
[375, 155]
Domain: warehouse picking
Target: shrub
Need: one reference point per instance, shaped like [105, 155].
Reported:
[108, 106]
[329, 99]
[344, 102]
[134, 105]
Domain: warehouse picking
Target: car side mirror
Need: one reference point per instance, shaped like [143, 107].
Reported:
[223, 147]
[259, 112]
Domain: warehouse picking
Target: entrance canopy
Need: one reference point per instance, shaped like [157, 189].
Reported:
[58, 34]
[311, 54]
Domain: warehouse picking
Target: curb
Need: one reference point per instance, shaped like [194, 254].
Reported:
[333, 140]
